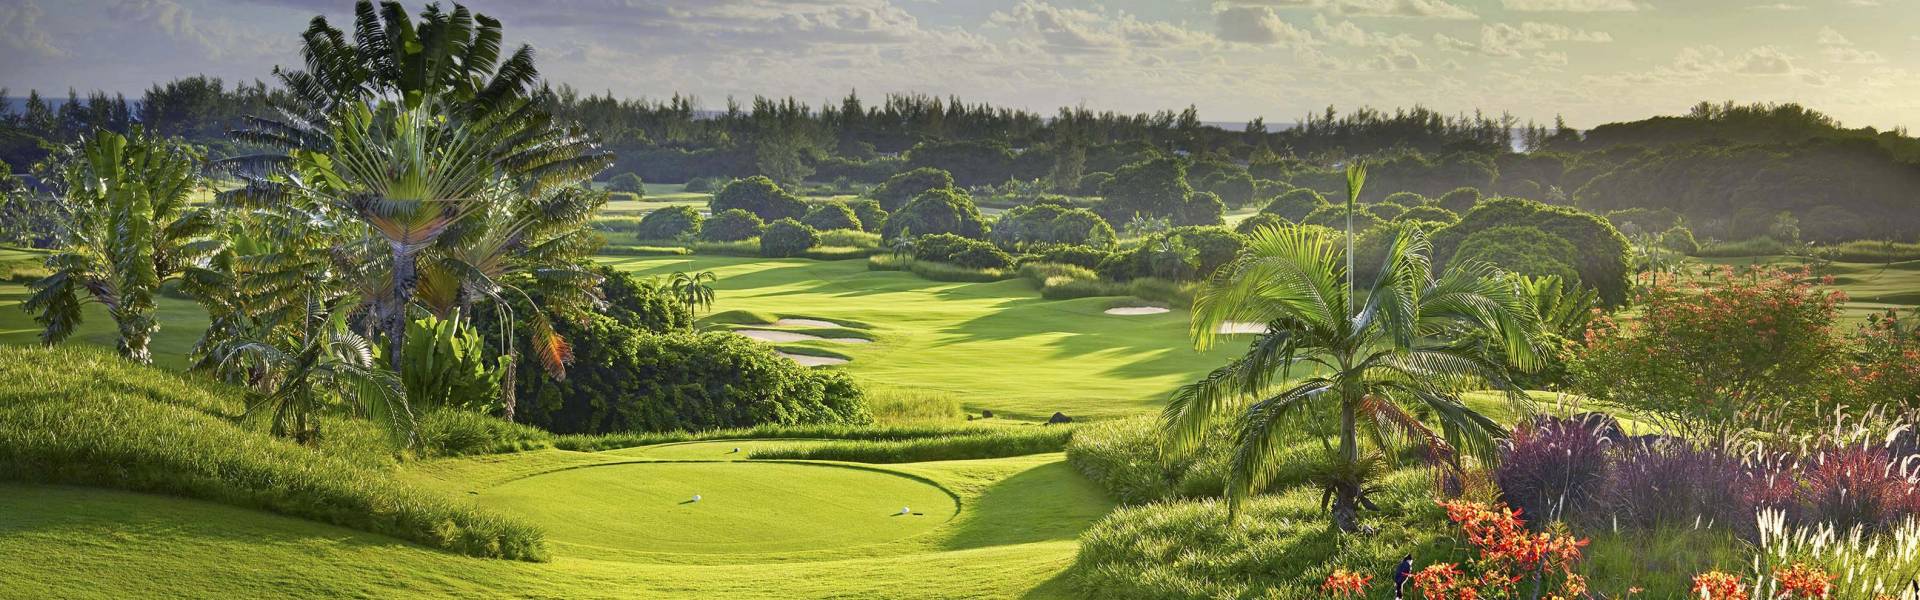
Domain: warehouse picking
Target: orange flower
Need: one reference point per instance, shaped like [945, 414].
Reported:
[1717, 585]
[1803, 581]
[1346, 584]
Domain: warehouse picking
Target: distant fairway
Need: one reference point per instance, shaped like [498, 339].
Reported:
[745, 507]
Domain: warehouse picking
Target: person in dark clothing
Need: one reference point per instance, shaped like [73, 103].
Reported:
[1400, 577]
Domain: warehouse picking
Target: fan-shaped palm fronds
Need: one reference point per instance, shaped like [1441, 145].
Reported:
[694, 291]
[131, 229]
[1406, 342]
[324, 364]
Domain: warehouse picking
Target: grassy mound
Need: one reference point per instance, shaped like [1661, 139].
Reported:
[82, 416]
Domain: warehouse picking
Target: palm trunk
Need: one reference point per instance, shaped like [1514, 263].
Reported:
[1346, 494]
[136, 339]
[406, 262]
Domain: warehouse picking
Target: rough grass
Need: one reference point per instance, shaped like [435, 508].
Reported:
[81, 416]
[994, 443]
[907, 405]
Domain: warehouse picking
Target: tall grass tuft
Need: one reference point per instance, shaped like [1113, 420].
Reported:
[996, 442]
[82, 416]
[905, 405]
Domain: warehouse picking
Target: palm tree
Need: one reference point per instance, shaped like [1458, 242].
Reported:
[325, 364]
[1410, 343]
[131, 229]
[694, 291]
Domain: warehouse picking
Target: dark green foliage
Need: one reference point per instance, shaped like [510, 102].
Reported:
[1201, 208]
[1050, 223]
[972, 162]
[960, 251]
[1520, 249]
[1093, 184]
[81, 416]
[704, 184]
[1180, 254]
[1639, 220]
[1235, 189]
[1335, 216]
[1429, 213]
[986, 443]
[760, 196]
[446, 366]
[1385, 211]
[1296, 204]
[900, 189]
[1259, 221]
[1603, 252]
[641, 304]
[1080, 256]
[624, 379]
[1153, 188]
[669, 223]
[936, 211]
[786, 237]
[872, 216]
[464, 433]
[828, 216]
[1460, 200]
[627, 182]
[731, 226]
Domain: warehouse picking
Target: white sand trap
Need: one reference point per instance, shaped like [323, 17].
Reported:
[813, 361]
[790, 336]
[1135, 310]
[1237, 327]
[805, 323]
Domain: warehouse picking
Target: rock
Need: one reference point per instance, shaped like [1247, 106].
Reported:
[986, 414]
[1059, 418]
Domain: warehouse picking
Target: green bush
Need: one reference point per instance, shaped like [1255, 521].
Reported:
[670, 223]
[1335, 216]
[703, 184]
[936, 211]
[760, 196]
[960, 251]
[1205, 249]
[1295, 205]
[939, 271]
[829, 216]
[628, 182]
[639, 303]
[624, 379]
[1068, 288]
[1760, 246]
[1679, 239]
[1235, 189]
[987, 443]
[1093, 184]
[1869, 251]
[731, 226]
[1520, 249]
[785, 238]
[82, 416]
[465, 433]
[622, 197]
[1386, 212]
[847, 238]
[1603, 254]
[872, 217]
[1460, 200]
[446, 366]
[1032, 224]
[900, 189]
[1258, 222]
[1429, 213]
[1081, 256]
[1404, 199]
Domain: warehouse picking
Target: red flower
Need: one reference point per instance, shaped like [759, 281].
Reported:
[1803, 581]
[1346, 584]
[1716, 585]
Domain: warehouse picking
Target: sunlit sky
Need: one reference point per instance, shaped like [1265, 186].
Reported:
[1590, 60]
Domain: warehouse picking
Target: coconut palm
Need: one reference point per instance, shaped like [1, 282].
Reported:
[1408, 342]
[130, 229]
[694, 291]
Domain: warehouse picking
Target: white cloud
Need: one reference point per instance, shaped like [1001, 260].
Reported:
[1853, 56]
[1778, 6]
[1764, 60]
[1574, 5]
[1397, 59]
[1347, 33]
[1425, 9]
[1259, 25]
[1502, 39]
[20, 31]
[1829, 37]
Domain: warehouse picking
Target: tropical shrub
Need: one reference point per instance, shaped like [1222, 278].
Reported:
[1295, 204]
[670, 223]
[1335, 216]
[1521, 249]
[1235, 189]
[785, 238]
[900, 189]
[704, 184]
[1385, 211]
[960, 251]
[1429, 213]
[936, 211]
[731, 225]
[1717, 352]
[1079, 256]
[870, 214]
[1093, 184]
[1460, 200]
[1884, 365]
[628, 182]
[828, 216]
[1051, 224]
[450, 432]
[760, 196]
[447, 366]
[641, 304]
[624, 379]
[1201, 208]
[1603, 258]
[1182, 253]
[1679, 239]
[1403, 200]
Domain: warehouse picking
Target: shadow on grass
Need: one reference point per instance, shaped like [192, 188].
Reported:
[1045, 503]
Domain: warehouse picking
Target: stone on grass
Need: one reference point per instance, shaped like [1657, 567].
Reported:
[1059, 418]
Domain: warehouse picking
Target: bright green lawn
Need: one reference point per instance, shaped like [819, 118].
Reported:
[1012, 536]
[995, 346]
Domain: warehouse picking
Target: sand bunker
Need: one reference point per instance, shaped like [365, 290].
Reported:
[806, 360]
[1236, 327]
[806, 323]
[791, 336]
[1135, 310]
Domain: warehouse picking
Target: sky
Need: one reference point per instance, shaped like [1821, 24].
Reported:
[1592, 61]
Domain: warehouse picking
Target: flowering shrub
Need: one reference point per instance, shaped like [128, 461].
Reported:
[1346, 584]
[1719, 351]
[1716, 585]
[1508, 554]
[1803, 581]
[1886, 363]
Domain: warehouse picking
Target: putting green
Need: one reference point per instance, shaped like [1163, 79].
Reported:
[745, 508]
